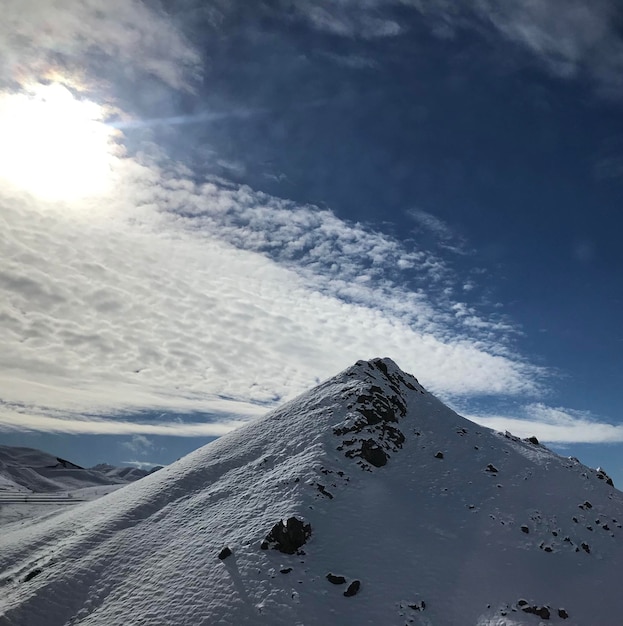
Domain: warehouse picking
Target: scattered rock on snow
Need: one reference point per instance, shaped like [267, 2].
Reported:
[603, 476]
[288, 537]
[491, 468]
[285, 570]
[439, 455]
[224, 553]
[563, 614]
[525, 529]
[353, 588]
[32, 574]
[542, 611]
[336, 580]
[323, 490]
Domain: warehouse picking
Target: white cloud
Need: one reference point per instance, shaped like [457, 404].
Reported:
[187, 297]
[139, 444]
[36, 37]
[568, 37]
[144, 465]
[345, 18]
[431, 223]
[555, 425]
[93, 426]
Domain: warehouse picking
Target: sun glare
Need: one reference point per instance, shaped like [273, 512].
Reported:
[54, 145]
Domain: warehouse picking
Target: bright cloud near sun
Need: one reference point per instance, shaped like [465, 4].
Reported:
[188, 295]
[55, 146]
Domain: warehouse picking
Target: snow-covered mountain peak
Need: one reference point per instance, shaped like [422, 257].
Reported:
[363, 501]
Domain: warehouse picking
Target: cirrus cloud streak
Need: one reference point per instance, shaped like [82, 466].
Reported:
[180, 296]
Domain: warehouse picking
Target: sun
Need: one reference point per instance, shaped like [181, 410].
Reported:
[55, 145]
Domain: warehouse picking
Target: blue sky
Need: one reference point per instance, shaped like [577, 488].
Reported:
[209, 207]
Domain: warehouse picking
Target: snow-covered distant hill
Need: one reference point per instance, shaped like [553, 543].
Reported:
[127, 474]
[363, 501]
[30, 470]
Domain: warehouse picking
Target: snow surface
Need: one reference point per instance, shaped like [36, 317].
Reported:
[457, 538]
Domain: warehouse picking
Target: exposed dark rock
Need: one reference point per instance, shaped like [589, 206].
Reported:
[375, 413]
[533, 440]
[373, 453]
[525, 529]
[336, 580]
[542, 611]
[224, 553]
[439, 455]
[288, 537]
[32, 574]
[353, 588]
[418, 606]
[286, 570]
[381, 365]
[585, 547]
[521, 603]
[491, 468]
[322, 489]
[603, 476]
[563, 614]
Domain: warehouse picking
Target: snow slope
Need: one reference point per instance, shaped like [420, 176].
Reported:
[30, 470]
[459, 526]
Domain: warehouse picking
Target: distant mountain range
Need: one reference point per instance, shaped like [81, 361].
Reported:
[30, 470]
[365, 501]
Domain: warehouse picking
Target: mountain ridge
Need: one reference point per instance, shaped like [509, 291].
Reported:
[418, 505]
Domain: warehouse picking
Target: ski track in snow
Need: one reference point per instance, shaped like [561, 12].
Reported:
[468, 532]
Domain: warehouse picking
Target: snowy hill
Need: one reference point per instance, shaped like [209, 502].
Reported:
[127, 474]
[395, 510]
[30, 470]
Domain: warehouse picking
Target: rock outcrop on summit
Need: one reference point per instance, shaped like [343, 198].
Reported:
[363, 501]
